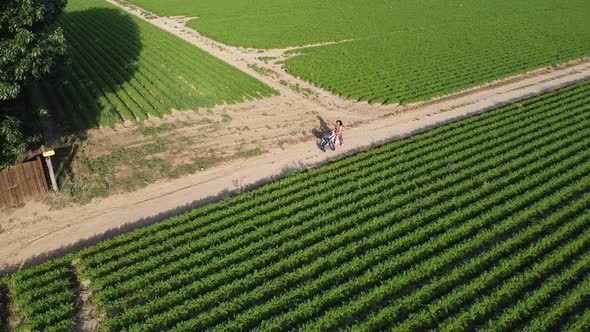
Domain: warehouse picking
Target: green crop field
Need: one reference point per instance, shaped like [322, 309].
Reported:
[401, 51]
[124, 69]
[479, 224]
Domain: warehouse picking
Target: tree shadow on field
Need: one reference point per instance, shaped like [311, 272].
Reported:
[103, 48]
[4, 310]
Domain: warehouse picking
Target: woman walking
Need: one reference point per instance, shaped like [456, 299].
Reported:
[338, 132]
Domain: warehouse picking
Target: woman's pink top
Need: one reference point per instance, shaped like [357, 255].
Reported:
[339, 130]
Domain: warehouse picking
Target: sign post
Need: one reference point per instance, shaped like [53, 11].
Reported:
[47, 155]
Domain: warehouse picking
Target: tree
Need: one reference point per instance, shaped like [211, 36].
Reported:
[29, 43]
[12, 141]
[30, 47]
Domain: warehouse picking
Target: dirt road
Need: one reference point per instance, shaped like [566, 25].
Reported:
[31, 233]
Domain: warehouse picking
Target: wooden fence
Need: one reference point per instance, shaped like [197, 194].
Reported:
[21, 183]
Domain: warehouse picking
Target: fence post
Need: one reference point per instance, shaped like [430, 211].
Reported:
[47, 155]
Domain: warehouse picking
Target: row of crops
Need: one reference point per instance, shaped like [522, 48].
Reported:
[124, 69]
[425, 63]
[41, 298]
[480, 224]
[401, 51]
[419, 65]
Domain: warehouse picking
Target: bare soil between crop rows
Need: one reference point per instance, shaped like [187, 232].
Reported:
[239, 146]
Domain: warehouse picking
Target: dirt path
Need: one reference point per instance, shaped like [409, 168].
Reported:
[257, 63]
[281, 125]
[34, 230]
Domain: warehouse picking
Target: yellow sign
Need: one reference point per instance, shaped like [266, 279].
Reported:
[49, 153]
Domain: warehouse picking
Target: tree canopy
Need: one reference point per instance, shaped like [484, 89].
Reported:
[30, 46]
[29, 43]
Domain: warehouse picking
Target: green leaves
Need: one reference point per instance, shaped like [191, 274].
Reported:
[29, 45]
[44, 297]
[12, 141]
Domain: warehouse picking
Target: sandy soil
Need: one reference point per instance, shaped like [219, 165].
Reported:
[282, 126]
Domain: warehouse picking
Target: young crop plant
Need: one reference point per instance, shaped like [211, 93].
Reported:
[482, 224]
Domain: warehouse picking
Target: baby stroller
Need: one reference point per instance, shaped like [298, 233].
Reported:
[327, 142]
